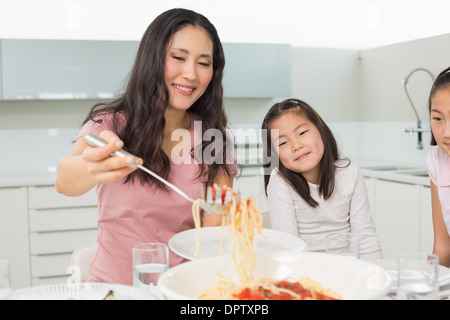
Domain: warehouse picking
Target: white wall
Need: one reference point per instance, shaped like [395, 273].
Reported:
[327, 79]
[301, 23]
[385, 111]
[383, 69]
[361, 99]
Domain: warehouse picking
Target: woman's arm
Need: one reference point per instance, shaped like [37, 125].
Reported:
[209, 219]
[86, 166]
[441, 245]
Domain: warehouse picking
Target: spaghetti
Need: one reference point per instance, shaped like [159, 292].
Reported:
[245, 224]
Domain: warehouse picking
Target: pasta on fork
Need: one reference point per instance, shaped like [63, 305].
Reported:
[245, 225]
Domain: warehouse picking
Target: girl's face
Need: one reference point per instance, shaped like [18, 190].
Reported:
[440, 118]
[188, 67]
[299, 145]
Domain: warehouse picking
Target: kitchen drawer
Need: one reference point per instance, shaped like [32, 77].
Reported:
[50, 265]
[46, 281]
[63, 219]
[46, 197]
[60, 242]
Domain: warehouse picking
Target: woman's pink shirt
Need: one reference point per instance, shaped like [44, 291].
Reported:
[132, 213]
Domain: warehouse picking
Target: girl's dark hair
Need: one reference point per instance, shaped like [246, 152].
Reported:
[146, 97]
[442, 82]
[327, 164]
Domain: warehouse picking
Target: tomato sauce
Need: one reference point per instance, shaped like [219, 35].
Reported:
[263, 294]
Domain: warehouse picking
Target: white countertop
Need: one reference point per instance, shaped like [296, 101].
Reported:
[17, 179]
[27, 179]
[398, 172]
[405, 174]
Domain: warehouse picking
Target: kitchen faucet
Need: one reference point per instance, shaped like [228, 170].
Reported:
[419, 128]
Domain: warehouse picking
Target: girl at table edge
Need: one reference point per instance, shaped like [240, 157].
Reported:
[438, 161]
[311, 192]
[176, 79]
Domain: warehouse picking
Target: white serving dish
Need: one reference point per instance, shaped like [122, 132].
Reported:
[353, 279]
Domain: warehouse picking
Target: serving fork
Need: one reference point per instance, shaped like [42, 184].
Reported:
[213, 201]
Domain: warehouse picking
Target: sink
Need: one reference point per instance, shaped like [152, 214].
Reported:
[417, 173]
[387, 168]
[399, 169]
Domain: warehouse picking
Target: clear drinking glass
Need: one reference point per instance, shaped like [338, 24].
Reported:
[5, 280]
[345, 244]
[418, 276]
[149, 261]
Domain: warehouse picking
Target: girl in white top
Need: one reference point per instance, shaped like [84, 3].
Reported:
[439, 165]
[311, 193]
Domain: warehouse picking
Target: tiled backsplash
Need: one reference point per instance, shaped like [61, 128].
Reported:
[388, 141]
[38, 150]
[381, 141]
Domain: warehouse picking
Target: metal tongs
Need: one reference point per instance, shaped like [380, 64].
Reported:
[214, 201]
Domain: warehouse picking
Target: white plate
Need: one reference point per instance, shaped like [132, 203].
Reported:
[184, 243]
[390, 265]
[83, 291]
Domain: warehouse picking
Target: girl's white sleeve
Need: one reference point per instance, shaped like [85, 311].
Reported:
[362, 223]
[281, 206]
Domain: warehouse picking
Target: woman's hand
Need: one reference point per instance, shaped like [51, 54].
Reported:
[102, 166]
[86, 166]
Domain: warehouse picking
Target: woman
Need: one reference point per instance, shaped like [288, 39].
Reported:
[176, 80]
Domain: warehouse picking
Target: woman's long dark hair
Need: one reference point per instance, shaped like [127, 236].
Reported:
[327, 164]
[442, 81]
[146, 97]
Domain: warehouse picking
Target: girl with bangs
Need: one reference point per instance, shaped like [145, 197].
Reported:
[311, 192]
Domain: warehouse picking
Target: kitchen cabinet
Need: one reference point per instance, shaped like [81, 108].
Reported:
[87, 69]
[65, 69]
[40, 228]
[257, 70]
[426, 220]
[397, 211]
[14, 237]
[402, 216]
[57, 226]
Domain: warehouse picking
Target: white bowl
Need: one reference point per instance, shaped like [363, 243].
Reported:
[353, 279]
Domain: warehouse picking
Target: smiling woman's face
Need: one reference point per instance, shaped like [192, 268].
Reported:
[188, 68]
[299, 145]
